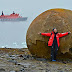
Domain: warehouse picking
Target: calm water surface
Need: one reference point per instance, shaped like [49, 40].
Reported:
[13, 34]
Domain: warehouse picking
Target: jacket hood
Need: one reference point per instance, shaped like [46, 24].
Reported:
[53, 32]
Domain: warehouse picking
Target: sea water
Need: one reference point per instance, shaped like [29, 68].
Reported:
[13, 34]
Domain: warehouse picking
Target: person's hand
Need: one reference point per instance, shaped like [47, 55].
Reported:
[69, 32]
[39, 33]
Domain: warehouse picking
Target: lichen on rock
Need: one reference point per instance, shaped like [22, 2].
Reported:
[45, 22]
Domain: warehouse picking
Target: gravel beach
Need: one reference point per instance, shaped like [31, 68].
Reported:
[20, 60]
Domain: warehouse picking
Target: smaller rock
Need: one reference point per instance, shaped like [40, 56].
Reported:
[66, 65]
[47, 70]
[12, 57]
[41, 69]
[13, 61]
[70, 68]
[21, 50]
[41, 62]
[2, 56]
[64, 62]
[61, 71]
[22, 70]
[25, 65]
[2, 70]
[30, 57]
[66, 69]
[59, 68]
[24, 58]
[21, 56]
[41, 59]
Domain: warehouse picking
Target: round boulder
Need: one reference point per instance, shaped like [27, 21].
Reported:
[44, 23]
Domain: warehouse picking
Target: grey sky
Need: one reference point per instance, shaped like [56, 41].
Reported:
[16, 32]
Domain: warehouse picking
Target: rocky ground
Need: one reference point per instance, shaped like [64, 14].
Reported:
[20, 60]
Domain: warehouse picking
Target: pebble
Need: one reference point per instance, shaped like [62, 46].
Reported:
[2, 70]
[13, 61]
[12, 55]
[24, 58]
[41, 59]
[59, 68]
[64, 62]
[70, 68]
[47, 70]
[22, 70]
[61, 71]
[66, 69]
[12, 71]
[21, 56]
[25, 65]
[66, 65]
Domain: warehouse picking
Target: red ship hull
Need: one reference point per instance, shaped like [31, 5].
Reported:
[12, 17]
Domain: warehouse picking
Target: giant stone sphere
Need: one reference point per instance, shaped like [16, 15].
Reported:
[44, 23]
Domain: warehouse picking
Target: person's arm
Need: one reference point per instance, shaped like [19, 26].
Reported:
[64, 34]
[45, 34]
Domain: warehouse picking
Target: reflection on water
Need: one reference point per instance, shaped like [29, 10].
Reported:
[13, 34]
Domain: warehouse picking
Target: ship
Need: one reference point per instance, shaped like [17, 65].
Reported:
[12, 17]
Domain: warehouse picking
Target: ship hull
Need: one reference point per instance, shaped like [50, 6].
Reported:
[13, 19]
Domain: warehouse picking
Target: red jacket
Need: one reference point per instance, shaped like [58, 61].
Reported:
[51, 35]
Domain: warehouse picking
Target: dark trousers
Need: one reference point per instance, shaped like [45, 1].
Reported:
[54, 50]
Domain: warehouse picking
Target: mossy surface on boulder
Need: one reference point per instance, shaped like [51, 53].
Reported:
[45, 22]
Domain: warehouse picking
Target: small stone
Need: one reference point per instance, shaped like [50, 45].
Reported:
[21, 56]
[66, 69]
[41, 59]
[24, 58]
[12, 71]
[13, 61]
[66, 65]
[41, 69]
[47, 70]
[64, 62]
[70, 68]
[41, 62]
[25, 65]
[61, 71]
[22, 70]
[2, 70]
[59, 68]
[2, 57]
[12, 55]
